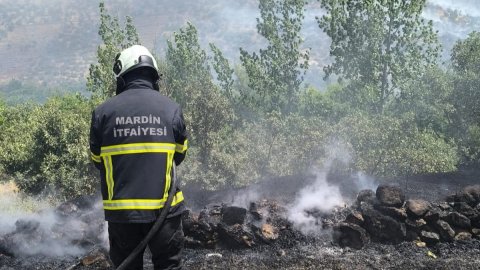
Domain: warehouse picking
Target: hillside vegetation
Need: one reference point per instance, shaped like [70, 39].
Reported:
[394, 109]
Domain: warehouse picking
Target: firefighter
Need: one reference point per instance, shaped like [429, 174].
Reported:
[136, 137]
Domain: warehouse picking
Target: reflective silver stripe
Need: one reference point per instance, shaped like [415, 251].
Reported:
[140, 204]
[181, 148]
[158, 203]
[137, 148]
[95, 157]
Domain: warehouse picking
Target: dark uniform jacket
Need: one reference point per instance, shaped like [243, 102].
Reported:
[135, 138]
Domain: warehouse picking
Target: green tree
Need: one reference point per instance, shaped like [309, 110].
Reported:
[430, 99]
[208, 113]
[378, 44]
[466, 54]
[100, 80]
[276, 73]
[187, 63]
[223, 70]
[466, 96]
[466, 63]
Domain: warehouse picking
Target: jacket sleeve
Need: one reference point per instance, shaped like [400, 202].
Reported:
[180, 134]
[95, 141]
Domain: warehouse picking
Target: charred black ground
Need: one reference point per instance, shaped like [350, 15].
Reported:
[260, 246]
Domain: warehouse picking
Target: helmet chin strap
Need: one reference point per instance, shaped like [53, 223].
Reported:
[120, 85]
[156, 85]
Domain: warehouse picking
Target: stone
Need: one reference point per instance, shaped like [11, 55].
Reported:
[269, 232]
[255, 212]
[233, 215]
[96, 257]
[390, 195]
[417, 208]
[420, 244]
[67, 209]
[446, 232]
[26, 226]
[458, 220]
[469, 195]
[235, 236]
[432, 216]
[465, 209]
[366, 195]
[444, 206]
[474, 194]
[350, 235]
[430, 238]
[476, 232]
[415, 225]
[209, 217]
[383, 228]
[463, 236]
[355, 218]
[189, 220]
[394, 212]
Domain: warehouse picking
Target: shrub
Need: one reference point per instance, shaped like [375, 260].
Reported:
[46, 147]
[388, 146]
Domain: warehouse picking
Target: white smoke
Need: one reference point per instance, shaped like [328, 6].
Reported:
[32, 226]
[365, 182]
[468, 7]
[45, 239]
[322, 196]
[244, 198]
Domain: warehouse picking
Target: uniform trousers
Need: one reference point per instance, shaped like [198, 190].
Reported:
[166, 245]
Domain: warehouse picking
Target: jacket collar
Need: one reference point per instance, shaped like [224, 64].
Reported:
[136, 83]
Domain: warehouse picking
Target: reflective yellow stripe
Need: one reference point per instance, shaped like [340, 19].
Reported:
[181, 148]
[107, 161]
[140, 204]
[95, 157]
[135, 148]
[168, 174]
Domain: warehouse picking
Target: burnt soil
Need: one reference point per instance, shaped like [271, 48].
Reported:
[296, 251]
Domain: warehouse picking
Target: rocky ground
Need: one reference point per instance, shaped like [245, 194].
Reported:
[279, 246]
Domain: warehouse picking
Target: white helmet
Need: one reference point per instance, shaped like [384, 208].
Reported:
[132, 58]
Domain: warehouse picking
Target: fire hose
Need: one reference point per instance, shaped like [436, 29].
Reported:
[156, 226]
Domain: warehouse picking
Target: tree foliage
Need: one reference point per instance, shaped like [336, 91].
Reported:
[397, 113]
[207, 111]
[466, 54]
[466, 95]
[100, 79]
[46, 147]
[378, 44]
[223, 70]
[276, 73]
[388, 146]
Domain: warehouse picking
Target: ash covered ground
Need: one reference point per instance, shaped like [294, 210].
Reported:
[294, 247]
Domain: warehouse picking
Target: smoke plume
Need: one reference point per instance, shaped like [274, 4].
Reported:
[41, 229]
[322, 196]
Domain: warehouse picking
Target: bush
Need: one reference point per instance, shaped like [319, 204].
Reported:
[274, 146]
[388, 146]
[46, 147]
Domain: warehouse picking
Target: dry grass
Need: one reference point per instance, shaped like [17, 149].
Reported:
[8, 188]
[13, 201]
